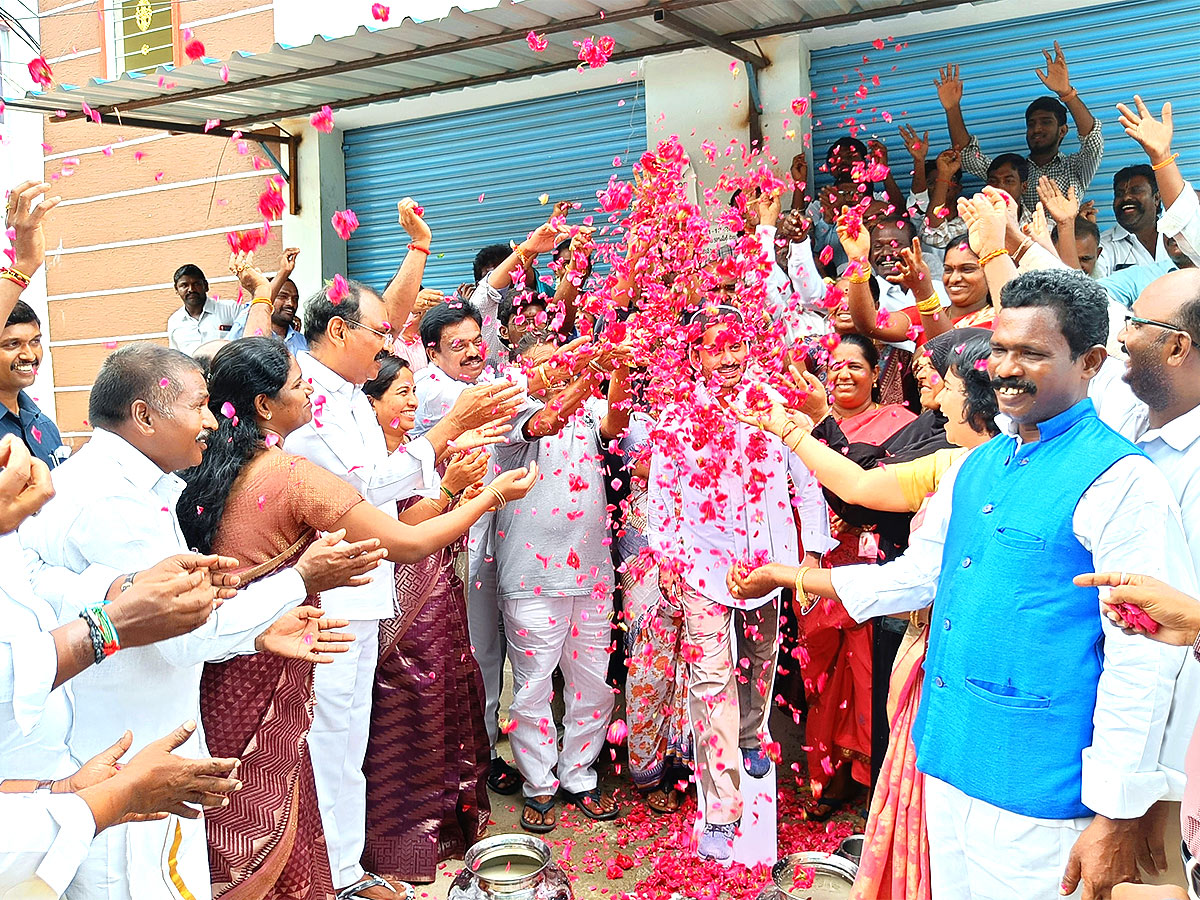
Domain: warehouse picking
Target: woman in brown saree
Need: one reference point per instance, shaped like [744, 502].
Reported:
[428, 755]
[249, 494]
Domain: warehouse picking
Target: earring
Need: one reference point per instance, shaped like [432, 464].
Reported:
[267, 417]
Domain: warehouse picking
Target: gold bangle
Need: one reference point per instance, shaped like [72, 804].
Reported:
[501, 502]
[791, 426]
[1166, 162]
[262, 300]
[930, 305]
[1021, 251]
[995, 254]
[862, 276]
[795, 448]
[801, 596]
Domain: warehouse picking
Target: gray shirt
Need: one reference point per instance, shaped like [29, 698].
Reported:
[557, 538]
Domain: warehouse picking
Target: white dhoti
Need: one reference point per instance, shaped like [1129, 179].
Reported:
[162, 860]
[571, 633]
[978, 851]
[483, 622]
[338, 745]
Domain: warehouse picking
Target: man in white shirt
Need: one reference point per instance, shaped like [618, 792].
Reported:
[1034, 781]
[1135, 239]
[711, 505]
[345, 335]
[200, 319]
[115, 505]
[453, 335]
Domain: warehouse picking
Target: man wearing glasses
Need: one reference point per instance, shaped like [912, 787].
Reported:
[1161, 337]
[346, 335]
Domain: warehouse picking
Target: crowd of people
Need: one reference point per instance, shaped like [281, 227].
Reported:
[918, 468]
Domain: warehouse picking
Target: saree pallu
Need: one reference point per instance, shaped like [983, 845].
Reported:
[656, 687]
[268, 842]
[895, 859]
[428, 755]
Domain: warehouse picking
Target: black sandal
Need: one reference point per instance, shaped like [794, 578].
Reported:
[593, 795]
[541, 807]
[503, 779]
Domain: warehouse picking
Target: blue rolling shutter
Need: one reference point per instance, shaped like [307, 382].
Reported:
[1115, 50]
[562, 146]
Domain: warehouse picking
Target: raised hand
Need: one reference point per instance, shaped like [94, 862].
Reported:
[1088, 210]
[516, 483]
[814, 401]
[287, 261]
[29, 242]
[913, 272]
[251, 278]
[544, 238]
[917, 147]
[1056, 78]
[302, 633]
[1177, 614]
[799, 171]
[482, 404]
[466, 469]
[794, 226]
[325, 566]
[427, 299]
[949, 162]
[173, 597]
[949, 87]
[413, 222]
[493, 432]
[879, 151]
[986, 226]
[768, 204]
[1060, 207]
[856, 240]
[1154, 135]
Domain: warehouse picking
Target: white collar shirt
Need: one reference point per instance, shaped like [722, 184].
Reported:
[707, 527]
[345, 438]
[186, 333]
[1120, 249]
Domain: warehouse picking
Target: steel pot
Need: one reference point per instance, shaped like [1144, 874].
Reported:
[510, 867]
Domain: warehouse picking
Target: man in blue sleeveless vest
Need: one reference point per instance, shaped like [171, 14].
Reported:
[1040, 722]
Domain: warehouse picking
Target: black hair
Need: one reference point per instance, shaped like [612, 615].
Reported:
[141, 371]
[941, 347]
[841, 150]
[903, 222]
[870, 353]
[705, 317]
[1050, 105]
[442, 316]
[1080, 304]
[1189, 318]
[490, 257]
[1016, 160]
[189, 269]
[389, 367]
[1142, 170]
[931, 170]
[319, 310]
[22, 314]
[240, 372]
[980, 408]
[1084, 227]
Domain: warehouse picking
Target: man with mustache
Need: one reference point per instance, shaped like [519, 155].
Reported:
[1041, 723]
[719, 495]
[115, 506]
[1045, 128]
[284, 297]
[20, 416]
[201, 319]
[1135, 239]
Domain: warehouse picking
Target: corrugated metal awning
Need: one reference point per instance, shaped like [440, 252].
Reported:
[411, 59]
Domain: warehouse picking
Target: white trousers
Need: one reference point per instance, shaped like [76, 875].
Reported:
[338, 745]
[981, 852]
[571, 633]
[484, 628]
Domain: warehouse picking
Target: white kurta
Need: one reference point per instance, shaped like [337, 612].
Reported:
[43, 840]
[113, 506]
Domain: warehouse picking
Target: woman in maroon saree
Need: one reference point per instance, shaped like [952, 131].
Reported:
[428, 755]
[264, 506]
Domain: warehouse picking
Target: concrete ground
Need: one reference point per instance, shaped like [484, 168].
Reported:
[655, 846]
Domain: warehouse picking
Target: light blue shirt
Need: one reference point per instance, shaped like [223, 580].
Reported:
[1124, 285]
[295, 340]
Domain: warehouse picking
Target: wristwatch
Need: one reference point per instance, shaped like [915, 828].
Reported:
[1196, 647]
[44, 787]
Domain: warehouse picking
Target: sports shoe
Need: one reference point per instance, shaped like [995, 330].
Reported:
[716, 842]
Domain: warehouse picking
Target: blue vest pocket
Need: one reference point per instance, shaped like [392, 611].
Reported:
[1006, 695]
[1015, 539]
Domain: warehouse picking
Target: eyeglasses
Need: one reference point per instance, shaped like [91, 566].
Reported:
[1131, 319]
[387, 338]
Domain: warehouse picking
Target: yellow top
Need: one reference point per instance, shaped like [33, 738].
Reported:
[920, 477]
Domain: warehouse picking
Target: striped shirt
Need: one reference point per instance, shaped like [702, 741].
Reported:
[1076, 168]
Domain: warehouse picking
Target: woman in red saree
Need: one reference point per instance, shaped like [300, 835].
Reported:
[835, 656]
[428, 755]
[265, 506]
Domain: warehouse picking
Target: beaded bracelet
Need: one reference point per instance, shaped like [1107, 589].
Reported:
[418, 247]
[16, 276]
[1166, 162]
[995, 254]
[96, 637]
[107, 631]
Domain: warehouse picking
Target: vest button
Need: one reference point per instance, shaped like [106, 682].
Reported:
[938, 681]
[966, 562]
[946, 624]
[1024, 462]
[987, 508]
